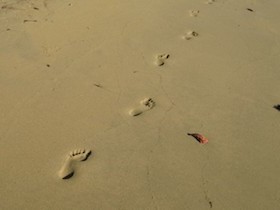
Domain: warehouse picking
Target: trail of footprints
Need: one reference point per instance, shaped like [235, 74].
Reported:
[77, 156]
[191, 34]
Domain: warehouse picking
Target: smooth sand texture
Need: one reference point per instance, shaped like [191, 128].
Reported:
[70, 72]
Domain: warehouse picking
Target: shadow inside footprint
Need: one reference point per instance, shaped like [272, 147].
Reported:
[277, 107]
[68, 176]
[88, 154]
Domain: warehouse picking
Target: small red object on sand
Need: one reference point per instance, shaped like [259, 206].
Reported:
[201, 139]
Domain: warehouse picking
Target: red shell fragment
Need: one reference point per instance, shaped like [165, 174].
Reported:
[200, 138]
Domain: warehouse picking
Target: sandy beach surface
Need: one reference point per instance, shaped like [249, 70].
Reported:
[128, 80]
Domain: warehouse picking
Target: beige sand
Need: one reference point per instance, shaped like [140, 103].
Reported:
[72, 71]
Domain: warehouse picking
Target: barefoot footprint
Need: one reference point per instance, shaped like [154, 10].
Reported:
[145, 105]
[190, 35]
[210, 1]
[67, 169]
[160, 59]
[194, 13]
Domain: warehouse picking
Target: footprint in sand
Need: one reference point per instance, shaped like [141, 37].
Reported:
[190, 35]
[67, 169]
[194, 13]
[160, 59]
[210, 1]
[145, 105]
